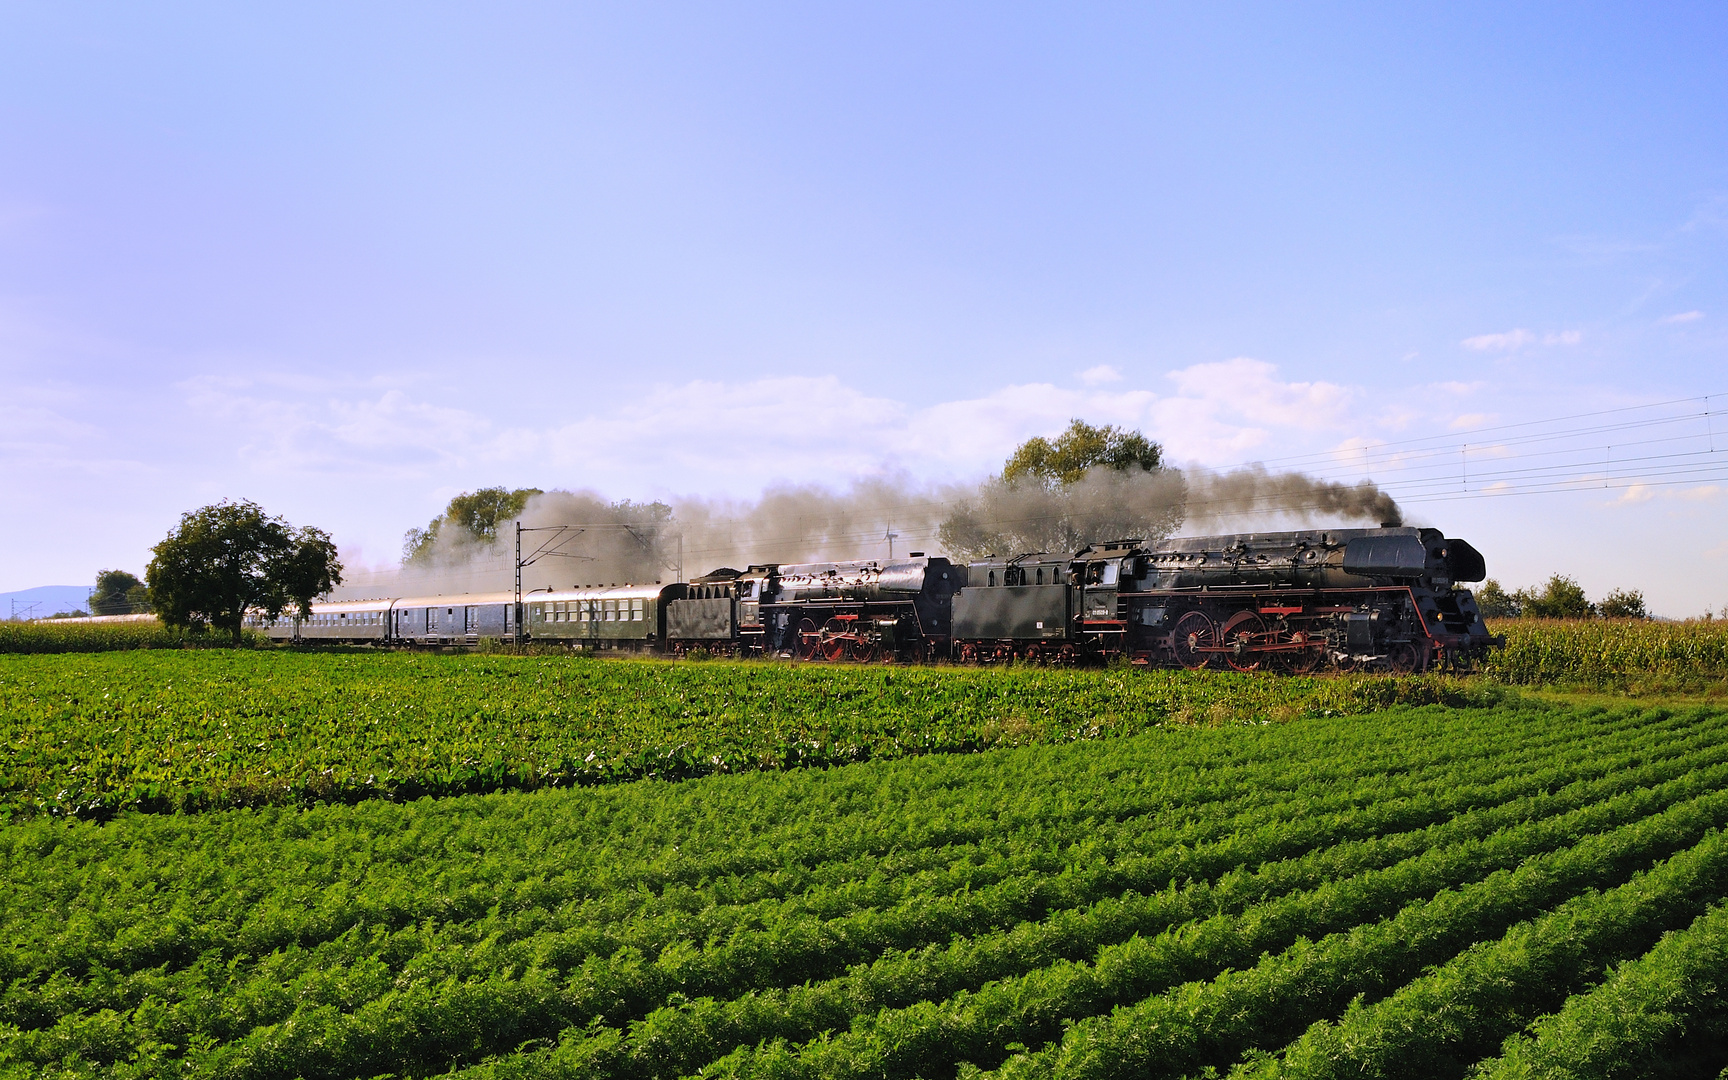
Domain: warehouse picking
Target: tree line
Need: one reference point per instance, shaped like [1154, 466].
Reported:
[1561, 597]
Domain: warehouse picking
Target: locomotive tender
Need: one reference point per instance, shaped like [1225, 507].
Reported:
[1376, 599]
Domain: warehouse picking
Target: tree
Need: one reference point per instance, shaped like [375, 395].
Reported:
[1560, 598]
[1495, 602]
[1080, 448]
[1086, 485]
[119, 593]
[227, 558]
[472, 517]
[1623, 604]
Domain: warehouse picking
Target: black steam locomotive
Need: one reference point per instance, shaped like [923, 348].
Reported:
[1376, 599]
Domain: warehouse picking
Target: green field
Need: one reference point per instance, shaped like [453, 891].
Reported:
[1611, 654]
[186, 730]
[1394, 894]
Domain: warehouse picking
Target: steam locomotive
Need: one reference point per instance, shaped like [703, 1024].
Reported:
[1386, 599]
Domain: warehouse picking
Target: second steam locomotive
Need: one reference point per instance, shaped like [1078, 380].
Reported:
[1388, 599]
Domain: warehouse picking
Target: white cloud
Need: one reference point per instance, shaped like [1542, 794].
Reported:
[1471, 420]
[1513, 340]
[1103, 373]
[1462, 389]
[1682, 317]
[734, 437]
[1506, 342]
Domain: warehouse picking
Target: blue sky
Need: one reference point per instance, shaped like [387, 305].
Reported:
[351, 260]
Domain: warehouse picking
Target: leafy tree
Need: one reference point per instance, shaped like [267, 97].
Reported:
[1496, 603]
[1086, 485]
[119, 593]
[1080, 448]
[1561, 598]
[1623, 604]
[226, 558]
[472, 517]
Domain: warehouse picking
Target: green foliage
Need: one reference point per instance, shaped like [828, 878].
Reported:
[472, 517]
[1494, 602]
[1079, 449]
[1661, 1014]
[181, 731]
[1623, 604]
[227, 558]
[1392, 894]
[119, 593]
[1560, 598]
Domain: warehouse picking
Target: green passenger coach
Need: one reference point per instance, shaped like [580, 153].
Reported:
[622, 617]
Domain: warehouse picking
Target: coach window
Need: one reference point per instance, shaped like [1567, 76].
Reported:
[636, 610]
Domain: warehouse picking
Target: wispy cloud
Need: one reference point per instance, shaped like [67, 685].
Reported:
[1097, 376]
[1506, 342]
[1682, 317]
[1513, 340]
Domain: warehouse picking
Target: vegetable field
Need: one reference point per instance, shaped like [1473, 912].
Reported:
[1526, 890]
[178, 730]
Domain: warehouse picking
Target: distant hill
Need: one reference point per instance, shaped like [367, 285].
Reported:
[48, 600]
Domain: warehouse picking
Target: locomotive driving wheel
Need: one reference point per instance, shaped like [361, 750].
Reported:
[1243, 633]
[1193, 632]
[836, 637]
[863, 650]
[1405, 658]
[1307, 658]
[809, 639]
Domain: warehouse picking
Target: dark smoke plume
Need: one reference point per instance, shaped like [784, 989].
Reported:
[647, 542]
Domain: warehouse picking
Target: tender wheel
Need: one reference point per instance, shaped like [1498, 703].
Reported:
[1242, 632]
[1192, 632]
[809, 640]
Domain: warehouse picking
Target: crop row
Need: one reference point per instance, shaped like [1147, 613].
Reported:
[90, 735]
[950, 826]
[1215, 1023]
[957, 906]
[1222, 923]
[1459, 1012]
[1663, 1013]
[876, 839]
[1095, 843]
